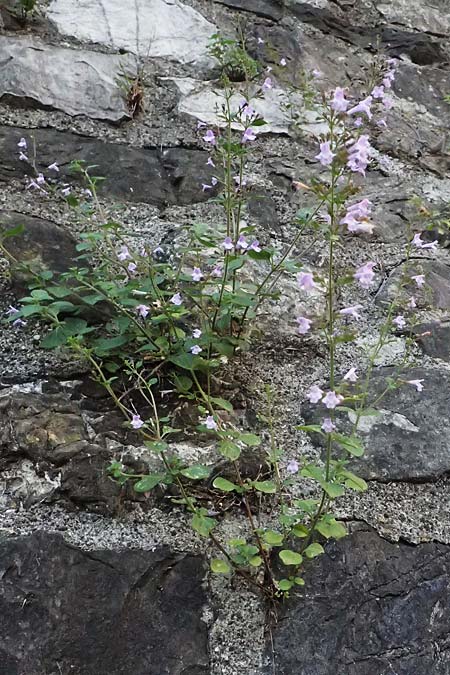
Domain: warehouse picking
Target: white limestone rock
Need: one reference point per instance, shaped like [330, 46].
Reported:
[78, 82]
[153, 28]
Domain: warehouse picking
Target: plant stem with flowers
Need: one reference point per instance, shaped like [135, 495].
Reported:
[176, 319]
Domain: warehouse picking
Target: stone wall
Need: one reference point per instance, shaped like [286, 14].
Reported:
[97, 581]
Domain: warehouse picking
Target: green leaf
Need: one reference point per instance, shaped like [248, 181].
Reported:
[156, 446]
[266, 486]
[28, 310]
[273, 538]
[224, 485]
[330, 528]
[333, 490]
[107, 344]
[62, 306]
[314, 550]
[250, 439]
[290, 557]
[300, 531]
[229, 450]
[197, 472]
[285, 584]
[60, 291]
[202, 524]
[349, 443]
[183, 360]
[222, 404]
[219, 566]
[55, 338]
[147, 483]
[39, 294]
[311, 428]
[354, 482]
[256, 561]
[299, 581]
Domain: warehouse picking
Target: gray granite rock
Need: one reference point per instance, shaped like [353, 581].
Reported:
[270, 9]
[168, 29]
[65, 610]
[77, 82]
[369, 607]
[149, 175]
[410, 437]
[42, 244]
[435, 293]
[431, 16]
[434, 339]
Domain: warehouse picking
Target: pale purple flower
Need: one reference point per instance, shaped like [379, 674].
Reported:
[356, 217]
[19, 323]
[387, 83]
[365, 275]
[314, 394]
[390, 75]
[176, 299]
[210, 162]
[12, 310]
[214, 181]
[142, 310]
[378, 92]
[283, 62]
[54, 167]
[419, 279]
[316, 73]
[66, 191]
[132, 267]
[195, 349]
[358, 122]
[267, 84]
[325, 155]
[399, 321]
[196, 333]
[197, 274]
[217, 271]
[416, 383]
[417, 241]
[22, 157]
[123, 253]
[249, 135]
[331, 400]
[260, 41]
[40, 180]
[362, 107]
[351, 375]
[292, 466]
[228, 244]
[158, 250]
[143, 252]
[306, 281]
[254, 246]
[210, 423]
[304, 324]
[358, 154]
[351, 311]
[22, 144]
[412, 303]
[200, 124]
[388, 102]
[209, 137]
[242, 243]
[339, 102]
[382, 124]
[206, 187]
[328, 427]
[136, 422]
[248, 110]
